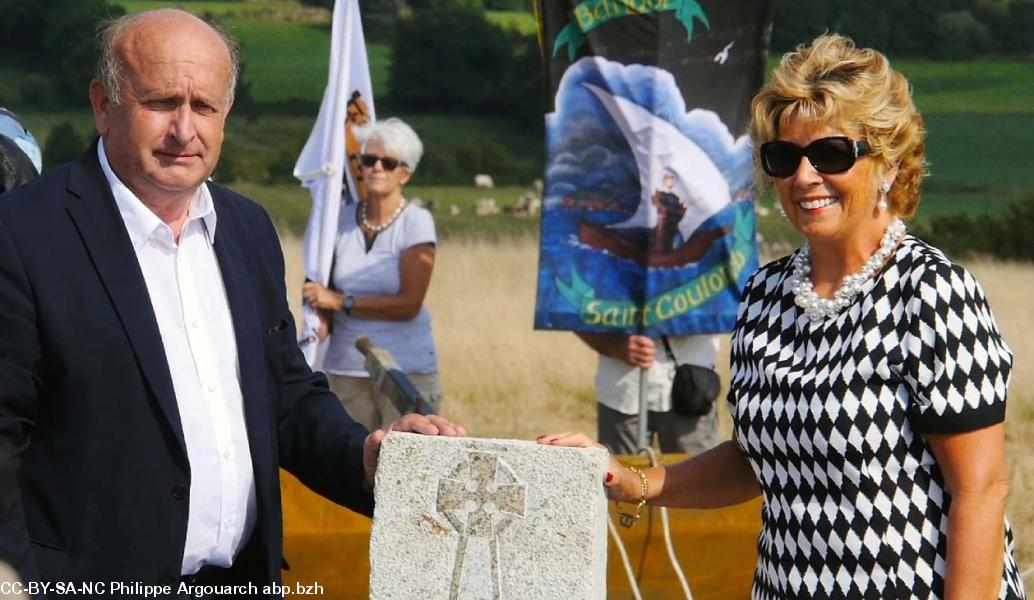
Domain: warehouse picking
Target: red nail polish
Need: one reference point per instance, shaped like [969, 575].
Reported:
[610, 477]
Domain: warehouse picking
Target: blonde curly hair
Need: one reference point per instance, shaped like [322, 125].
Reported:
[832, 82]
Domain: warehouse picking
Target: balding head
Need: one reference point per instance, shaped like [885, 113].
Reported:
[125, 32]
[162, 111]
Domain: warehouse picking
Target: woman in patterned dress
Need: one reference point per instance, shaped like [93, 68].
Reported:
[868, 374]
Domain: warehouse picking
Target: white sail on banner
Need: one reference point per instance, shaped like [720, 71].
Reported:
[657, 144]
[322, 164]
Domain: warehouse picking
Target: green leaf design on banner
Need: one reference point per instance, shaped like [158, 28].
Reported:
[573, 37]
[590, 14]
[579, 292]
[686, 11]
[743, 229]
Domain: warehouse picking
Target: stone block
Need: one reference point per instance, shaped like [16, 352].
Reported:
[484, 519]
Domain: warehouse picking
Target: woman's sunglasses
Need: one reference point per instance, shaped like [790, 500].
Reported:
[389, 163]
[830, 155]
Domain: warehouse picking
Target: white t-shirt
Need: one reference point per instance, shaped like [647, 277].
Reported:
[377, 273]
[617, 382]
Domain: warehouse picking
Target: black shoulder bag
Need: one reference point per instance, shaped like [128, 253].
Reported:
[694, 388]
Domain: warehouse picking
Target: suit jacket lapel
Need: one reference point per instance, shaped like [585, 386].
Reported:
[103, 232]
[247, 326]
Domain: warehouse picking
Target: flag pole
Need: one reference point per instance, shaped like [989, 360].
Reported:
[644, 411]
[323, 164]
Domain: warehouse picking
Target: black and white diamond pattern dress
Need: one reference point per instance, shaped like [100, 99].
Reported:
[829, 414]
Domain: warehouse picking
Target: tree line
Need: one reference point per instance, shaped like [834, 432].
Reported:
[56, 44]
[936, 29]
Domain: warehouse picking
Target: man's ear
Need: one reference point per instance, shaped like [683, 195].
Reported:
[101, 103]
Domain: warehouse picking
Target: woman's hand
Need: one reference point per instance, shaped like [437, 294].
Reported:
[321, 298]
[714, 479]
[620, 483]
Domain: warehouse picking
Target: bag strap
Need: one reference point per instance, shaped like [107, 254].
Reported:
[667, 348]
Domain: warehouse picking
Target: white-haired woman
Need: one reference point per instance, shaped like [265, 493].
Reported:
[382, 268]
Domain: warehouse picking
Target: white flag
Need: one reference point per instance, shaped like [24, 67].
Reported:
[327, 158]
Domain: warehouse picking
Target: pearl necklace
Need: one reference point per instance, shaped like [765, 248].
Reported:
[817, 308]
[384, 225]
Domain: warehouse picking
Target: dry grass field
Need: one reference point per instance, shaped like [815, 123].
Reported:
[1010, 290]
[502, 379]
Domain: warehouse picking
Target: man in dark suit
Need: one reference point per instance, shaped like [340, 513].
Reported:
[150, 381]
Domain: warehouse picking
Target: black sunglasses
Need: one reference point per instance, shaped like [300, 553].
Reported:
[829, 155]
[389, 163]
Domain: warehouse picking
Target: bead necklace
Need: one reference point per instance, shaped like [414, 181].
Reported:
[821, 308]
[384, 225]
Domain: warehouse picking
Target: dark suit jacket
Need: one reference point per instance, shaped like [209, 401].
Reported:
[87, 408]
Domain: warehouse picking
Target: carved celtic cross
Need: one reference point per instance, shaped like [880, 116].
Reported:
[482, 499]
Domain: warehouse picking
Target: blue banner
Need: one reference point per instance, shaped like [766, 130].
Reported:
[648, 219]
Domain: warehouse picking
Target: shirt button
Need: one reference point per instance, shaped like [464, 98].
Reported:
[226, 454]
[193, 324]
[211, 389]
[179, 491]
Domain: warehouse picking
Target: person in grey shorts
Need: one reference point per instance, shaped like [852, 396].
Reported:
[622, 359]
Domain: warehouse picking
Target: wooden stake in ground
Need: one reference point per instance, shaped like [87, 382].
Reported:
[389, 379]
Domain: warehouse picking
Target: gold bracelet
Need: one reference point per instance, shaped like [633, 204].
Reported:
[629, 519]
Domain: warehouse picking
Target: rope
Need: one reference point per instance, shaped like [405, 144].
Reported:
[632, 583]
[646, 544]
[666, 527]
[633, 578]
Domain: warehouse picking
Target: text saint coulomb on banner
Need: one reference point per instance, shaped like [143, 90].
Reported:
[648, 219]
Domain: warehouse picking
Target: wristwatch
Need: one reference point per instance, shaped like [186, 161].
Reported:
[349, 303]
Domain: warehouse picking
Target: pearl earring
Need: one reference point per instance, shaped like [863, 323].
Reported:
[884, 190]
[782, 211]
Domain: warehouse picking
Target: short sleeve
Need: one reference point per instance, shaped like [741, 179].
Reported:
[761, 285]
[419, 228]
[956, 364]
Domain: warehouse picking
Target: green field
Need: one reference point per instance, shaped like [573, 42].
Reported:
[279, 58]
[978, 162]
[973, 87]
[521, 21]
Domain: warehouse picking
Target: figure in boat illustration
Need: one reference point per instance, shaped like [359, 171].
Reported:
[681, 189]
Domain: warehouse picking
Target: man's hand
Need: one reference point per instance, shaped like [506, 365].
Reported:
[638, 351]
[412, 423]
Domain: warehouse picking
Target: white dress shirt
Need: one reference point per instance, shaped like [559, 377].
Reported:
[189, 301]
